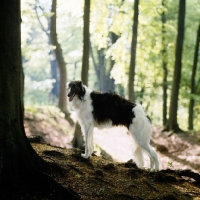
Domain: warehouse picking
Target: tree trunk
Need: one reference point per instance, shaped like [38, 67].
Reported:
[131, 89]
[54, 91]
[193, 86]
[86, 42]
[54, 75]
[62, 102]
[164, 64]
[101, 57]
[96, 66]
[172, 123]
[19, 164]
[77, 140]
[111, 81]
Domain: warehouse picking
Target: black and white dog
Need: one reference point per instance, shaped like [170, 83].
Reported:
[109, 109]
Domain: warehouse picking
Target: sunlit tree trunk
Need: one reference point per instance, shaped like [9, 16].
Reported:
[172, 123]
[77, 140]
[86, 42]
[20, 166]
[131, 90]
[102, 69]
[54, 67]
[164, 63]
[62, 102]
[111, 81]
[96, 66]
[193, 86]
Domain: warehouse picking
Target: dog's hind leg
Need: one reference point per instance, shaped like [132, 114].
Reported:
[138, 156]
[141, 146]
[153, 158]
[88, 136]
[141, 134]
[144, 145]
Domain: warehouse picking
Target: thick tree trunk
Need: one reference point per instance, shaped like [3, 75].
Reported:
[19, 164]
[193, 86]
[164, 64]
[11, 84]
[86, 43]
[172, 123]
[62, 102]
[131, 89]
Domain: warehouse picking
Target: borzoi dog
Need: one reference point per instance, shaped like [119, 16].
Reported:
[96, 109]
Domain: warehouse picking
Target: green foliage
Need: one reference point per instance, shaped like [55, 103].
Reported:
[114, 16]
[170, 164]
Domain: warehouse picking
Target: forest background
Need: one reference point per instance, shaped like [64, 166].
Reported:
[111, 23]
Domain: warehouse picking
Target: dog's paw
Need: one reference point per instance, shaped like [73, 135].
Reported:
[154, 170]
[85, 156]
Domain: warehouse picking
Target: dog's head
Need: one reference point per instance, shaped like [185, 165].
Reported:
[75, 88]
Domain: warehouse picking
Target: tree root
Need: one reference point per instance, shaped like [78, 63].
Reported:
[38, 185]
[127, 196]
[187, 173]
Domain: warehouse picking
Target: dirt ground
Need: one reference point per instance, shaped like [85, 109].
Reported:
[109, 174]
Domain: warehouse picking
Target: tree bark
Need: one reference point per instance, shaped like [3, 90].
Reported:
[164, 64]
[101, 57]
[131, 90]
[62, 102]
[96, 66]
[193, 86]
[86, 42]
[54, 75]
[111, 81]
[20, 166]
[172, 123]
[77, 139]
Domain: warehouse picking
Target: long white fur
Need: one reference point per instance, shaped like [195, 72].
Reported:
[140, 130]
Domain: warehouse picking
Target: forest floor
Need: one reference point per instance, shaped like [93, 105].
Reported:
[110, 173]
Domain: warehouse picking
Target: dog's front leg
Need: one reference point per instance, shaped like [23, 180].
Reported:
[88, 133]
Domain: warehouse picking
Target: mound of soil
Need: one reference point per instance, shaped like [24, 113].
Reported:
[109, 173]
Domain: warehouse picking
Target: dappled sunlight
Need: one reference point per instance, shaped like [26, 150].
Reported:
[50, 125]
[175, 151]
[117, 142]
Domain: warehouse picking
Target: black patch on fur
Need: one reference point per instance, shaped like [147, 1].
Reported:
[110, 106]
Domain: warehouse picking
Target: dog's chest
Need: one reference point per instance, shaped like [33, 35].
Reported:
[84, 114]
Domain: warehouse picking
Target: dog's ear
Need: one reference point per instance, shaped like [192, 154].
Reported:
[80, 85]
[82, 88]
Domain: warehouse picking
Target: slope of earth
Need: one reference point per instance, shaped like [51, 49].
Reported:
[101, 177]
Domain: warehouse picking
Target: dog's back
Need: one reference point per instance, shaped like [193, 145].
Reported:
[110, 106]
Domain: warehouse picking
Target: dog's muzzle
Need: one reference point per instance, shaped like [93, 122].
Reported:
[71, 96]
